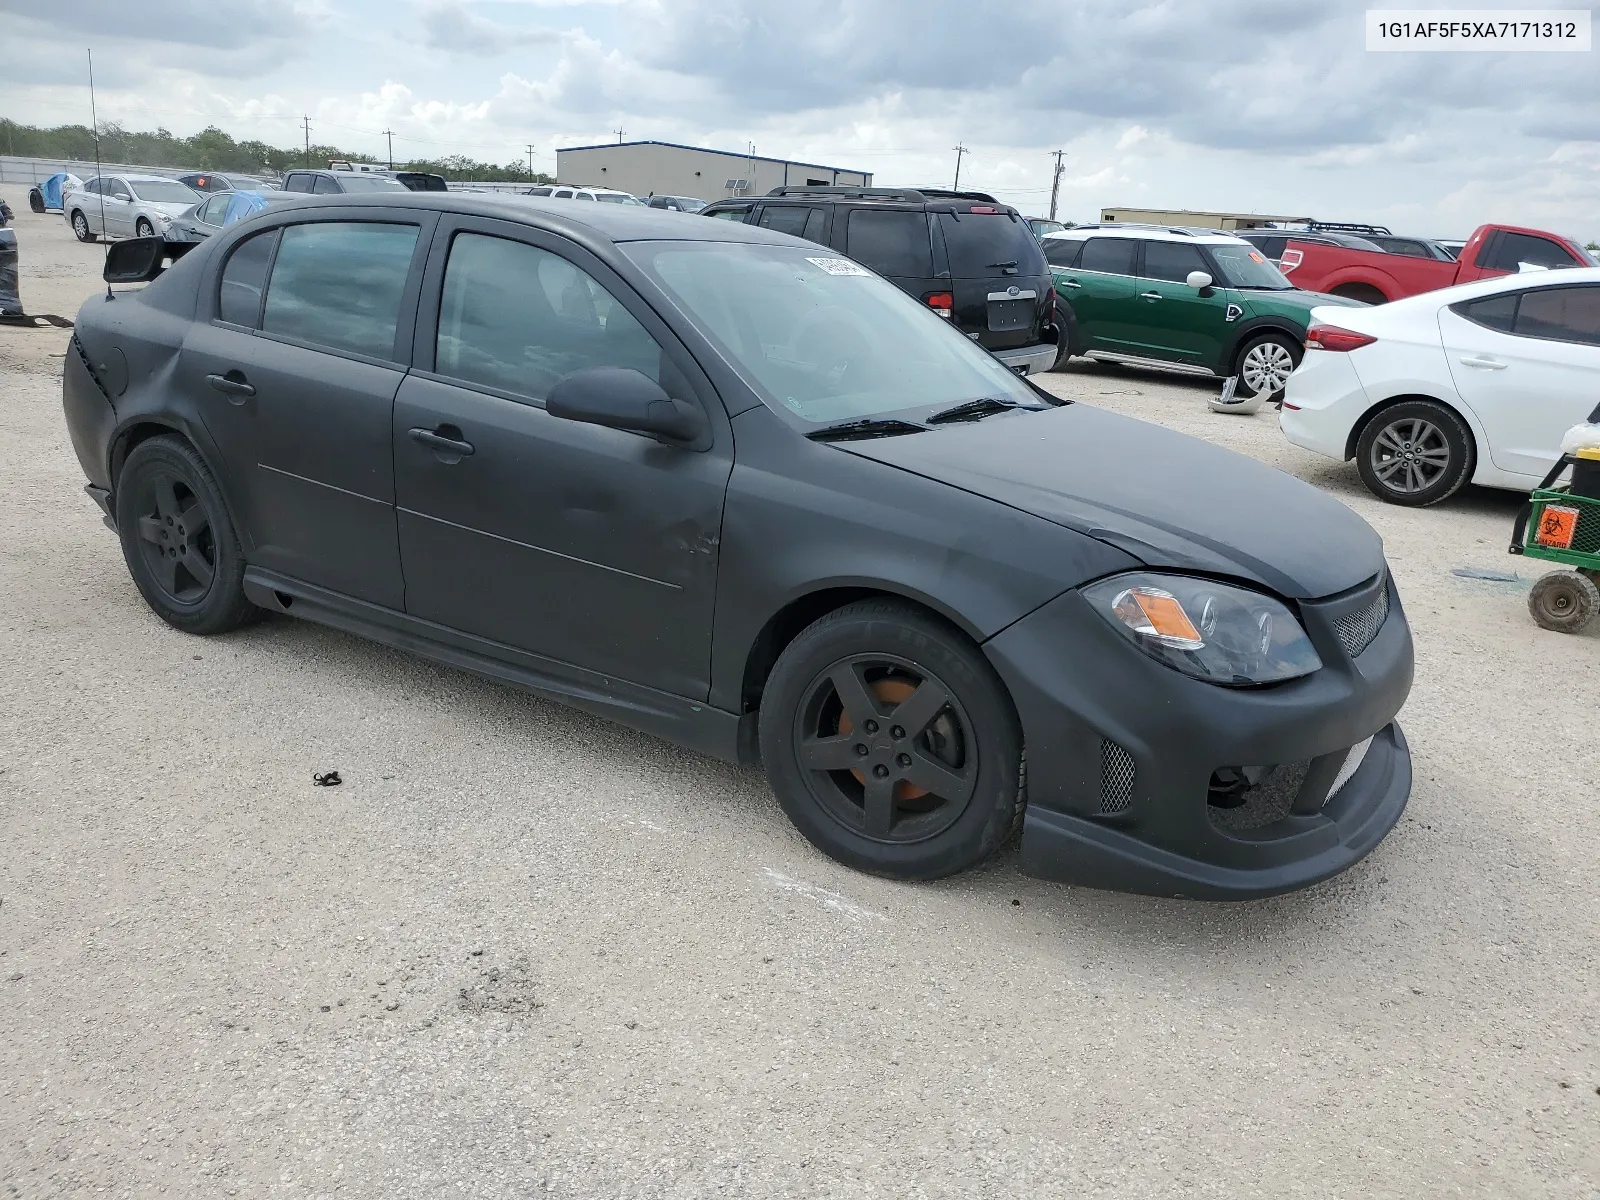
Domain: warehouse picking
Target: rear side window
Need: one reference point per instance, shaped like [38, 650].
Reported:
[983, 245]
[1492, 312]
[785, 218]
[297, 182]
[1171, 261]
[891, 243]
[212, 210]
[517, 318]
[1114, 256]
[339, 285]
[1063, 252]
[1271, 247]
[244, 278]
[1510, 250]
[538, 191]
[1563, 314]
[730, 214]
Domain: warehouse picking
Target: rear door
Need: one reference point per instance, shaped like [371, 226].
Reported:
[998, 275]
[1101, 292]
[1178, 322]
[119, 209]
[809, 221]
[1527, 364]
[293, 363]
[583, 545]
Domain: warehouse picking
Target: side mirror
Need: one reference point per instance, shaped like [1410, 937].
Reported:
[1198, 280]
[134, 260]
[622, 398]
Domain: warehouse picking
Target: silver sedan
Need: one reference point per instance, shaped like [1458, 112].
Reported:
[123, 206]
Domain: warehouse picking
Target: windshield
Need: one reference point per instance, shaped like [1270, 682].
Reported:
[822, 337]
[370, 183]
[165, 191]
[1590, 257]
[1243, 266]
[981, 245]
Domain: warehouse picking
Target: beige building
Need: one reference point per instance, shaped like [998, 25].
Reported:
[665, 168]
[1190, 219]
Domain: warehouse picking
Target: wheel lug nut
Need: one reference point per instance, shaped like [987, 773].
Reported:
[872, 727]
[897, 732]
[880, 771]
[861, 749]
[904, 760]
[169, 520]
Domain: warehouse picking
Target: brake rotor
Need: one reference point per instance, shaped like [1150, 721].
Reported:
[892, 692]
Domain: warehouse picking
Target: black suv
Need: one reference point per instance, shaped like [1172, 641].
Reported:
[968, 257]
[333, 183]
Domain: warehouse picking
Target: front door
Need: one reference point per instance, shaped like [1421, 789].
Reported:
[1177, 322]
[1527, 364]
[294, 379]
[1101, 292]
[585, 545]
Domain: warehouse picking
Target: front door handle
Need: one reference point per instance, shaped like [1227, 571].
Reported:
[1488, 364]
[1072, 283]
[1149, 295]
[232, 384]
[440, 440]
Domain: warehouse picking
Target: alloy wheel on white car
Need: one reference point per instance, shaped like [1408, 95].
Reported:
[1410, 456]
[1416, 453]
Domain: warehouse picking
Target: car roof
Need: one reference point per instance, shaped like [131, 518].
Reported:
[1515, 282]
[1153, 233]
[141, 178]
[615, 222]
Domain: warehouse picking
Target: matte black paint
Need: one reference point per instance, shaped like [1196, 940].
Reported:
[654, 584]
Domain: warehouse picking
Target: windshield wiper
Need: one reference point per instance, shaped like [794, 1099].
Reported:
[870, 427]
[976, 410]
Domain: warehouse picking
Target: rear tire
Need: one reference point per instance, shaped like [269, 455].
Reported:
[1564, 601]
[80, 228]
[178, 540]
[35, 200]
[1264, 365]
[892, 744]
[1440, 446]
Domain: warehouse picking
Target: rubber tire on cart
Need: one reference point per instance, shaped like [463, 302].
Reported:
[178, 540]
[1414, 426]
[892, 744]
[80, 228]
[1564, 601]
[1264, 358]
[144, 229]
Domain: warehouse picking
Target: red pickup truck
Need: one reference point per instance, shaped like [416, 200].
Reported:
[1375, 277]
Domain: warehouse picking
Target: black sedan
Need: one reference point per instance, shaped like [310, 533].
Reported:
[721, 485]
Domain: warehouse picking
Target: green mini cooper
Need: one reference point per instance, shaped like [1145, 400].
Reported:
[1189, 300]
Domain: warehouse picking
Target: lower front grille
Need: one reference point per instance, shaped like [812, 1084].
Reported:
[1116, 778]
[1250, 797]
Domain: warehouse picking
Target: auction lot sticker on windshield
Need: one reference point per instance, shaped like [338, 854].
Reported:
[1479, 29]
[839, 266]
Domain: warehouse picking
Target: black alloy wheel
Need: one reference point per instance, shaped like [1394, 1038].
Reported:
[891, 743]
[178, 541]
[1415, 454]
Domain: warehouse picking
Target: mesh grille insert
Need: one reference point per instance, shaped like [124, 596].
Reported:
[1357, 629]
[1116, 778]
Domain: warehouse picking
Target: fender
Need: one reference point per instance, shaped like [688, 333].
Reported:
[1250, 327]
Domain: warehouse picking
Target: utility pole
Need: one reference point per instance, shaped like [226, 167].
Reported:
[307, 119]
[960, 150]
[618, 131]
[1055, 184]
[530, 162]
[389, 133]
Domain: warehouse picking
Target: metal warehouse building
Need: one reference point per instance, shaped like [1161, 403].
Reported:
[647, 168]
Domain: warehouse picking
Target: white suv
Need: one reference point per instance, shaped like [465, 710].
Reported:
[603, 195]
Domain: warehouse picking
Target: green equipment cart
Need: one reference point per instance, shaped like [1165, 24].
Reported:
[1561, 523]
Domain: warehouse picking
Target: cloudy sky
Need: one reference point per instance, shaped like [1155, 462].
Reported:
[1247, 105]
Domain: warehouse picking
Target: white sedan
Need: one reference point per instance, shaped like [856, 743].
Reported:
[1476, 382]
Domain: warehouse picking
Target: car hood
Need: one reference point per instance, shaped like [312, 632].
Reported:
[1299, 299]
[1171, 501]
[171, 210]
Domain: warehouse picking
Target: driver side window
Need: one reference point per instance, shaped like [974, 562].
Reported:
[517, 318]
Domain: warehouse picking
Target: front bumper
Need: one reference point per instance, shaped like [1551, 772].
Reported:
[1126, 757]
[1029, 360]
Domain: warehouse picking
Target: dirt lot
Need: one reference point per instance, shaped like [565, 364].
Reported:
[520, 952]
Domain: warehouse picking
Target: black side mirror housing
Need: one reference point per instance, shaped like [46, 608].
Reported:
[134, 260]
[622, 398]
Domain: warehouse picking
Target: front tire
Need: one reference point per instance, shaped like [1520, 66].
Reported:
[1264, 366]
[892, 744]
[1564, 601]
[143, 228]
[1415, 453]
[80, 227]
[178, 541]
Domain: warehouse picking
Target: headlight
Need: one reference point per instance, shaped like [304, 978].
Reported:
[1212, 631]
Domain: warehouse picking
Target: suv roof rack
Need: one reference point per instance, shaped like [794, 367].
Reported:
[855, 193]
[1347, 227]
[1182, 230]
[947, 194]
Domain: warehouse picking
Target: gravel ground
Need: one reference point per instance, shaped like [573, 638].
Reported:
[520, 952]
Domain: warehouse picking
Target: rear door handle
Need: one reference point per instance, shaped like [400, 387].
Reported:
[1487, 364]
[1149, 295]
[435, 440]
[232, 384]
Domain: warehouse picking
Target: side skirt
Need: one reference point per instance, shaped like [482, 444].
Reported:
[689, 723]
[1154, 364]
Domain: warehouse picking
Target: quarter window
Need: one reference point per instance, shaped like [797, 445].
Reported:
[891, 243]
[1171, 261]
[517, 318]
[244, 278]
[1114, 256]
[1511, 250]
[339, 284]
[1563, 314]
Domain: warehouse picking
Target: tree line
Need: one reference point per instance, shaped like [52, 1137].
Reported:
[213, 149]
